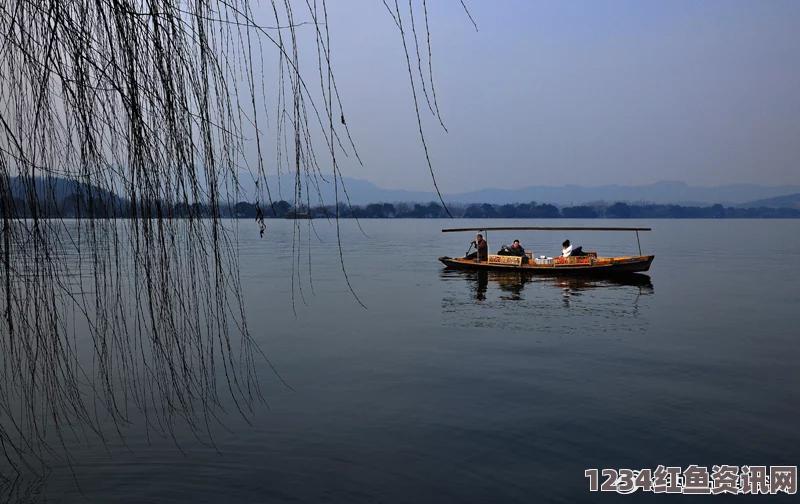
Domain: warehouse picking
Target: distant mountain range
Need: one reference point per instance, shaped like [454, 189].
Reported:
[788, 201]
[55, 189]
[665, 192]
[362, 192]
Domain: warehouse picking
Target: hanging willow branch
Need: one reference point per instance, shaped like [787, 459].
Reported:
[123, 127]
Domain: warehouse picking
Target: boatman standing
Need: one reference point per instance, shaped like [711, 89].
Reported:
[482, 254]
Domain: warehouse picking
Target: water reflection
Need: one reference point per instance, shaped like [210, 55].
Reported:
[108, 326]
[514, 282]
[508, 299]
[21, 489]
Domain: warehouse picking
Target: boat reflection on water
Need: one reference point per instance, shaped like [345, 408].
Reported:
[514, 282]
[637, 283]
[514, 299]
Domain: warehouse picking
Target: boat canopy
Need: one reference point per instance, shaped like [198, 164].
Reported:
[551, 228]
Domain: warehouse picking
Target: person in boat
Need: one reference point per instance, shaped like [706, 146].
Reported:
[514, 250]
[567, 250]
[482, 252]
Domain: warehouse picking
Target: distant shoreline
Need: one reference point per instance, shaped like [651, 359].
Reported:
[77, 209]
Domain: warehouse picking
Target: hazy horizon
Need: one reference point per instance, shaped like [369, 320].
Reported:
[587, 186]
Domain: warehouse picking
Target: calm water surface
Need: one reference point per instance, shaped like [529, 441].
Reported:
[459, 387]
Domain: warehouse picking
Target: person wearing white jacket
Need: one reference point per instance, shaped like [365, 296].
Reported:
[566, 249]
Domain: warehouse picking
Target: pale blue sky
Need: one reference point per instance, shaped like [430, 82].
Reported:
[576, 92]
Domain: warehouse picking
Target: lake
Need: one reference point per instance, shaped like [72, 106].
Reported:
[460, 387]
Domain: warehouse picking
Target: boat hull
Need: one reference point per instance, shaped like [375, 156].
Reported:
[613, 266]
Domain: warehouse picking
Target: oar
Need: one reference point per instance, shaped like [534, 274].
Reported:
[467, 252]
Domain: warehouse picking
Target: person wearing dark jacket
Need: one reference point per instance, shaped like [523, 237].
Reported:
[515, 250]
[482, 254]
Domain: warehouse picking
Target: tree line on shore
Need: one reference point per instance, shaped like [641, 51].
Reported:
[535, 210]
[79, 206]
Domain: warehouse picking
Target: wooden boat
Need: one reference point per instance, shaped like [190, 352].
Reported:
[589, 264]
